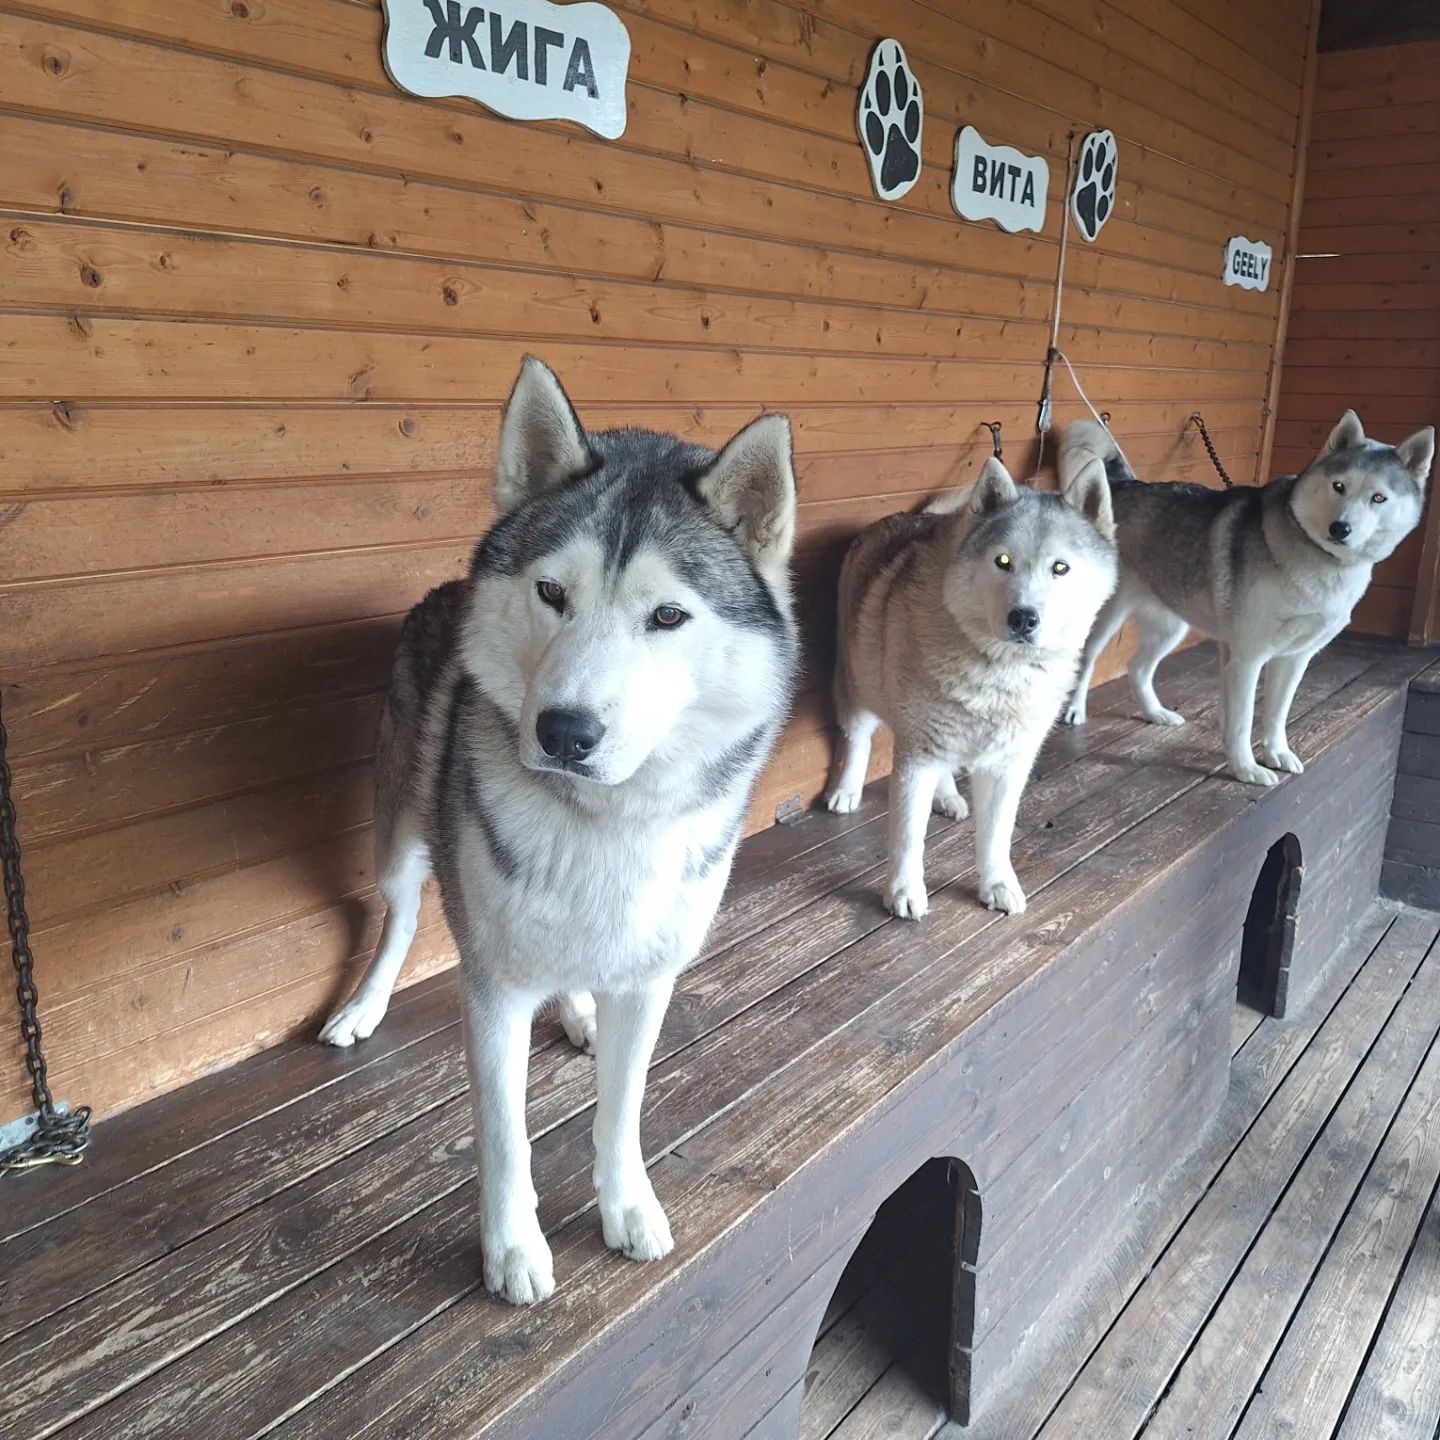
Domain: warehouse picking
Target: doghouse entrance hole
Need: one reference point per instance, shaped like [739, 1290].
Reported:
[902, 1303]
[1269, 935]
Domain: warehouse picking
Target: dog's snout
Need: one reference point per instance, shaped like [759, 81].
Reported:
[568, 734]
[1340, 530]
[1023, 621]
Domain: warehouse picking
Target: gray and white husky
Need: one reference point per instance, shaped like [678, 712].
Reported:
[570, 740]
[961, 629]
[1271, 572]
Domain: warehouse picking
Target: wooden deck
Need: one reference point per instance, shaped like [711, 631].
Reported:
[286, 1248]
[1299, 1298]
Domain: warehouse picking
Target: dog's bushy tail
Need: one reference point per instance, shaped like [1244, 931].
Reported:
[1088, 442]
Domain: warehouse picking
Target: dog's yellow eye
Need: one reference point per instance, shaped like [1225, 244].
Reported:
[1060, 568]
[667, 617]
[1377, 498]
[1003, 561]
[1338, 486]
[552, 593]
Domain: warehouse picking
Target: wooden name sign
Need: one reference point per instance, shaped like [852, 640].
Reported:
[1247, 263]
[997, 182]
[530, 60]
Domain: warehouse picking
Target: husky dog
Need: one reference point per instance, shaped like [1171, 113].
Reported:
[961, 628]
[1272, 573]
[570, 740]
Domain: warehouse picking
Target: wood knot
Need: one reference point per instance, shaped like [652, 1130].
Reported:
[55, 62]
[239, 9]
[317, 197]
[62, 411]
[408, 427]
[21, 238]
[451, 294]
[91, 277]
[66, 199]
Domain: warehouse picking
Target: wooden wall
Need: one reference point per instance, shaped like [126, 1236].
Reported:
[1364, 326]
[261, 310]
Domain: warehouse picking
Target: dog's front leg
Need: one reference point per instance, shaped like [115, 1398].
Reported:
[1241, 678]
[517, 1262]
[912, 787]
[626, 1026]
[996, 795]
[1282, 680]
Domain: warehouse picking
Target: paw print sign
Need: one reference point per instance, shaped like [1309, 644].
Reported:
[1092, 202]
[890, 118]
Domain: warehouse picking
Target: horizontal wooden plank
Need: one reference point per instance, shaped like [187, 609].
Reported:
[76, 448]
[1384, 76]
[1406, 237]
[1390, 176]
[103, 356]
[1340, 352]
[103, 270]
[1395, 118]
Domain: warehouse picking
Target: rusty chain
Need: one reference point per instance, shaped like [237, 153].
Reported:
[1198, 421]
[59, 1137]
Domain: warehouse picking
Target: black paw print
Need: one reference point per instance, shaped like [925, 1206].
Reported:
[891, 112]
[1094, 197]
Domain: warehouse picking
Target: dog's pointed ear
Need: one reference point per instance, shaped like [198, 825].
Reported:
[1089, 492]
[750, 489]
[1346, 435]
[1417, 453]
[994, 489]
[542, 442]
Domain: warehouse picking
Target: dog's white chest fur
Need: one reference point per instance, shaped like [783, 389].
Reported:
[592, 904]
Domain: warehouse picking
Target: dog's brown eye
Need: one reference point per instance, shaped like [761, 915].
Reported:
[1338, 486]
[552, 593]
[1060, 568]
[1377, 498]
[1003, 561]
[667, 617]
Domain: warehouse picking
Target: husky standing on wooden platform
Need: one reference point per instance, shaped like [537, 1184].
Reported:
[1270, 572]
[570, 741]
[961, 628]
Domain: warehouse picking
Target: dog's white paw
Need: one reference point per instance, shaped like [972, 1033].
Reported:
[637, 1227]
[577, 1019]
[1252, 774]
[356, 1019]
[1161, 716]
[1282, 757]
[1074, 715]
[518, 1264]
[907, 900]
[1004, 894]
[951, 804]
[841, 801]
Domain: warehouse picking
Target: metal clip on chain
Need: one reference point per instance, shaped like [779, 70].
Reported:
[1198, 421]
[993, 426]
[58, 1138]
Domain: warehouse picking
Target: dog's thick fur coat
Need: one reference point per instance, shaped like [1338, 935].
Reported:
[569, 744]
[1271, 573]
[961, 629]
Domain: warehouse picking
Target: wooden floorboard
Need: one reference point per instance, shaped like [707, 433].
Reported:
[210, 1259]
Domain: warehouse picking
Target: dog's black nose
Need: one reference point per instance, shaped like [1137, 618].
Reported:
[1339, 529]
[568, 734]
[1023, 621]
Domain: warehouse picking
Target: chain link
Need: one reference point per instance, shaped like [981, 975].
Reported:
[1198, 421]
[59, 1137]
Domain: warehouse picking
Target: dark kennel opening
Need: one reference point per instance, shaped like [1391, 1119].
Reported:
[902, 1300]
[1269, 935]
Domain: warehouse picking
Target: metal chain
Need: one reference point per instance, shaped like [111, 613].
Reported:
[994, 426]
[1198, 421]
[58, 1138]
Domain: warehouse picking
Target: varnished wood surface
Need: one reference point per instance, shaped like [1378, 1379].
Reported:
[290, 1243]
[1364, 324]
